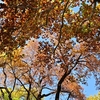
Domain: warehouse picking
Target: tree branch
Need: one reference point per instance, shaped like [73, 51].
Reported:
[62, 24]
[63, 78]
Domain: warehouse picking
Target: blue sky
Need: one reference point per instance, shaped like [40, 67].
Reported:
[90, 89]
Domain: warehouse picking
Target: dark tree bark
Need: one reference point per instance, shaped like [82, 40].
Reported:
[67, 72]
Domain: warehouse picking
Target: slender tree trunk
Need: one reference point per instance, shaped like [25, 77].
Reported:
[28, 94]
[59, 86]
[9, 95]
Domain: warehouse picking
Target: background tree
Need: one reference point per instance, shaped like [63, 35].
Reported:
[18, 94]
[46, 45]
[95, 97]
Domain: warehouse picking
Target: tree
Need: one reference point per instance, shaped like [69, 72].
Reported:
[18, 94]
[95, 97]
[16, 78]
[47, 45]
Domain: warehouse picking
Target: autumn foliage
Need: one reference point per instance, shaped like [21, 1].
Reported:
[95, 97]
[48, 49]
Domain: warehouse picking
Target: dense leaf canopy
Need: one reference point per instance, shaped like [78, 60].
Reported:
[50, 46]
[95, 97]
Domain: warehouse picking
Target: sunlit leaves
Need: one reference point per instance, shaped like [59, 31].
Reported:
[95, 97]
[18, 94]
[44, 40]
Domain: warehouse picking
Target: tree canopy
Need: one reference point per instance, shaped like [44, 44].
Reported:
[50, 46]
[18, 94]
[95, 97]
